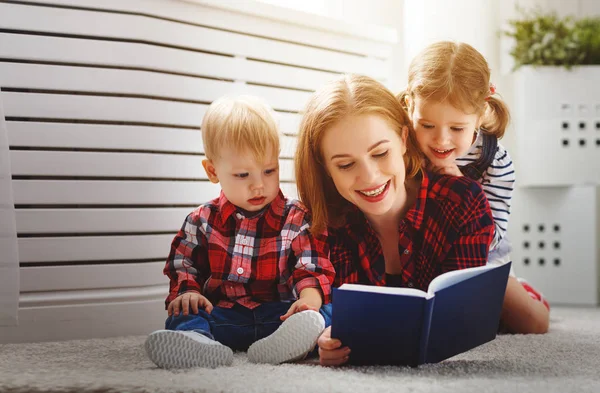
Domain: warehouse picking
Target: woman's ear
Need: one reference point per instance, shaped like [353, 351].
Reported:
[404, 136]
[211, 172]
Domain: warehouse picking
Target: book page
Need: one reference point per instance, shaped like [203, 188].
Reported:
[385, 290]
[450, 278]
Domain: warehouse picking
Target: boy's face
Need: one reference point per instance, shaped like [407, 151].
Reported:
[248, 184]
[444, 132]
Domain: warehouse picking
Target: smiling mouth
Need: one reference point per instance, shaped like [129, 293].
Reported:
[442, 151]
[375, 191]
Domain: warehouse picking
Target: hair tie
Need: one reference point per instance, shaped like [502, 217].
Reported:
[492, 91]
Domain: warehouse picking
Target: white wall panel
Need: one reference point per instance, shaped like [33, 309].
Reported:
[103, 107]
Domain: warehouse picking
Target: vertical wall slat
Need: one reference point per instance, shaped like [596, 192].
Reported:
[9, 256]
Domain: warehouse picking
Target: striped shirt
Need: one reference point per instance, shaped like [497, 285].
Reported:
[498, 183]
[230, 258]
[450, 227]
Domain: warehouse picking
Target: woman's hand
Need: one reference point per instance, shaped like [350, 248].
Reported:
[185, 301]
[331, 352]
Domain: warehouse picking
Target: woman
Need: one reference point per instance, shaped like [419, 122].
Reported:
[358, 171]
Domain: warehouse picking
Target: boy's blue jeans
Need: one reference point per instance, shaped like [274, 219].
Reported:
[237, 327]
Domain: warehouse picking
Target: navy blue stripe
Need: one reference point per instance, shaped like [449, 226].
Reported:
[502, 175]
[508, 198]
[499, 210]
[498, 187]
[503, 157]
[500, 219]
[500, 201]
[501, 167]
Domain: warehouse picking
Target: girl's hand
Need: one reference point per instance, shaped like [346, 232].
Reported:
[189, 299]
[451, 170]
[331, 352]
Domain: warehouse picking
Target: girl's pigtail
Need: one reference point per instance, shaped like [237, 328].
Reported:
[496, 118]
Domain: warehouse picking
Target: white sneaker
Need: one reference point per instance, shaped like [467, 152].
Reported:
[294, 339]
[185, 349]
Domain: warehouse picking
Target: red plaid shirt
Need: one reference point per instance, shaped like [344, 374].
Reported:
[450, 227]
[233, 259]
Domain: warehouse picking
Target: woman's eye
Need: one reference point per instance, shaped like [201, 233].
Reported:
[241, 175]
[427, 126]
[457, 129]
[345, 166]
[381, 155]
[270, 171]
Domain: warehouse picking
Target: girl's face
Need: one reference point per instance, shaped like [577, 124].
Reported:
[444, 133]
[364, 157]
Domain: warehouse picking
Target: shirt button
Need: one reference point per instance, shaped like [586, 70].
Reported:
[239, 216]
[406, 252]
[240, 270]
[244, 242]
[410, 284]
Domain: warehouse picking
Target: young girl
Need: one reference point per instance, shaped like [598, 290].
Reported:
[458, 121]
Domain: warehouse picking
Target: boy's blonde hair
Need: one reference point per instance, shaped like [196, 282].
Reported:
[347, 96]
[458, 74]
[242, 122]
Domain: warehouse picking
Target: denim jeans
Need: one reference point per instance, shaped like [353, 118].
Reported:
[237, 327]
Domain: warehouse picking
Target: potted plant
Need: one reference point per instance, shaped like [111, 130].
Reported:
[545, 39]
[557, 98]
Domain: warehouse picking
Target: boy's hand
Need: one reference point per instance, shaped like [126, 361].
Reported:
[331, 352]
[310, 299]
[189, 299]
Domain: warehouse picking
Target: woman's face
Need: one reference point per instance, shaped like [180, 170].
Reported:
[364, 157]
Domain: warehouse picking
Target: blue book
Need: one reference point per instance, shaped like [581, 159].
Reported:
[404, 326]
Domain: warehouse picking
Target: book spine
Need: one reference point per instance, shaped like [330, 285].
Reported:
[427, 317]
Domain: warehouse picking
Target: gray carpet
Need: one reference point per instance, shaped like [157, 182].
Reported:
[565, 360]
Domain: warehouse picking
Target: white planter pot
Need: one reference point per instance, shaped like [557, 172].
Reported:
[554, 232]
[557, 121]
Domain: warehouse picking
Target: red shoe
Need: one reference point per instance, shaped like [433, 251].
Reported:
[536, 295]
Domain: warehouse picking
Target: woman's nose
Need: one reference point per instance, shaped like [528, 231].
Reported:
[368, 171]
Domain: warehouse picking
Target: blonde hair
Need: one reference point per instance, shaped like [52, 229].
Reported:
[458, 74]
[347, 96]
[242, 122]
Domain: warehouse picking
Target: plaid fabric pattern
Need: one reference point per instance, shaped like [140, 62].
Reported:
[450, 227]
[230, 258]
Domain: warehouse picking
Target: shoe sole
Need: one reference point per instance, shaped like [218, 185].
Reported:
[170, 349]
[294, 339]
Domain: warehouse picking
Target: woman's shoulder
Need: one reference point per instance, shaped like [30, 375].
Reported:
[457, 189]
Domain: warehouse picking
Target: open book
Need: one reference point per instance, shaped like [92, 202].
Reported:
[404, 326]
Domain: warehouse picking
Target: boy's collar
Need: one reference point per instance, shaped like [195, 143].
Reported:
[275, 208]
